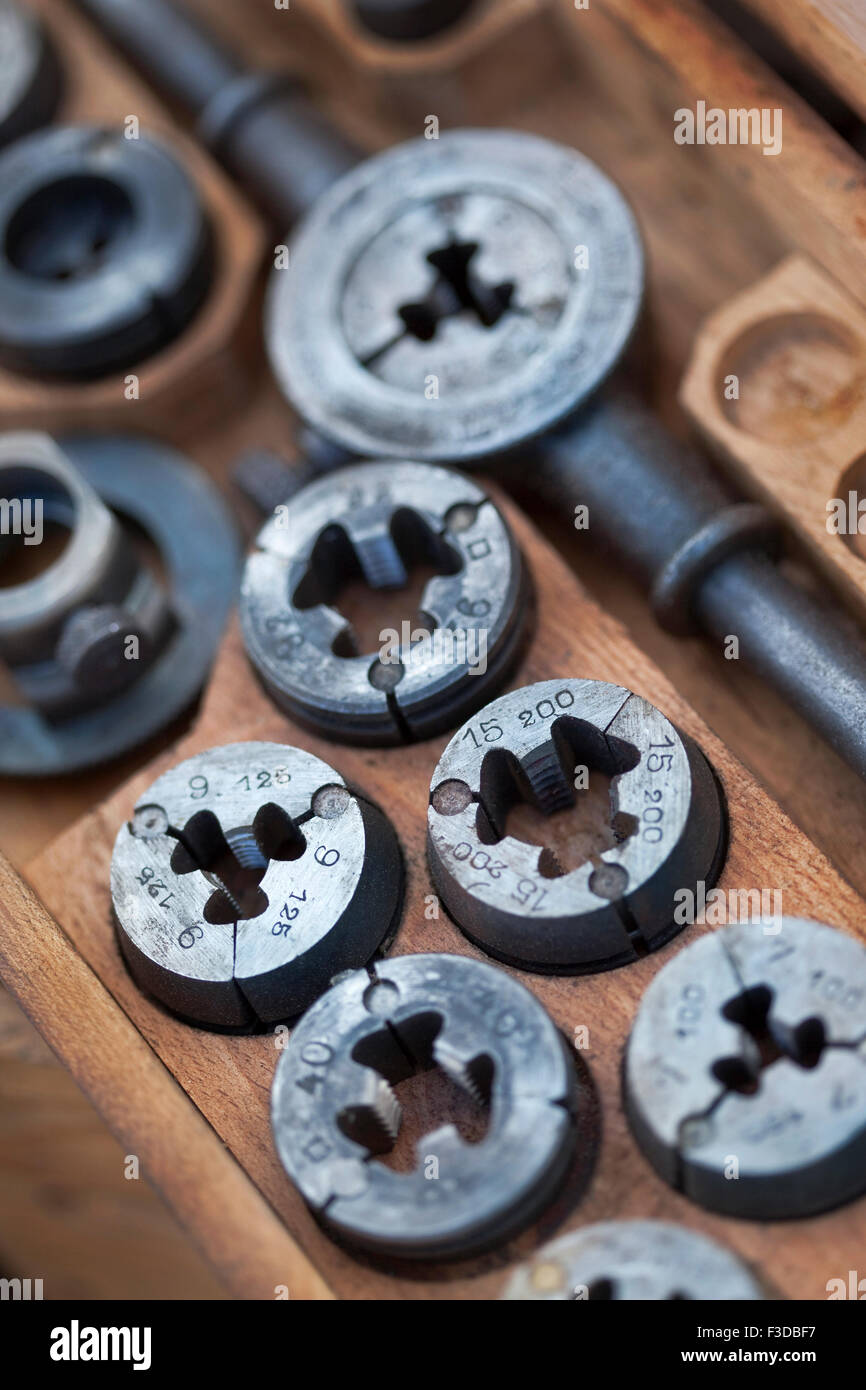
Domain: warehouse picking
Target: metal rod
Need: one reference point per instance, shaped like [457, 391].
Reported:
[648, 496]
[261, 126]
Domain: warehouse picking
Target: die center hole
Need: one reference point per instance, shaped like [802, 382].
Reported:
[65, 229]
[752, 1010]
[419, 1097]
[376, 582]
[235, 861]
[563, 799]
[457, 288]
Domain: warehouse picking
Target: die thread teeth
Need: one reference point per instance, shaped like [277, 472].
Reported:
[474, 1077]
[550, 786]
[387, 1109]
[246, 850]
[380, 560]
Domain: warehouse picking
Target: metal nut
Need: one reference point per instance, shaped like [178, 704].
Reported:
[105, 251]
[89, 695]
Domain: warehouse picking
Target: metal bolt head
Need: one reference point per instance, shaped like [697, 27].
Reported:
[93, 648]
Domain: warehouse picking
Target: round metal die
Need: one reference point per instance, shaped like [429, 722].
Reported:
[375, 519]
[528, 745]
[332, 1106]
[451, 298]
[650, 1260]
[29, 74]
[319, 889]
[745, 1077]
[184, 516]
[105, 251]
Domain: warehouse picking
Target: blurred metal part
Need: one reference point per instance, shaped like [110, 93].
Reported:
[65, 633]
[105, 251]
[30, 79]
[627, 1260]
[260, 125]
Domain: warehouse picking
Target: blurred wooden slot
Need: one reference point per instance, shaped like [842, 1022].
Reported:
[499, 45]
[795, 436]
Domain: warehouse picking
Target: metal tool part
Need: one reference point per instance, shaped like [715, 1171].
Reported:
[447, 267]
[333, 1108]
[246, 879]
[267, 480]
[706, 561]
[665, 826]
[104, 251]
[29, 73]
[409, 20]
[373, 521]
[745, 1071]
[650, 1260]
[105, 650]
[260, 125]
[505, 273]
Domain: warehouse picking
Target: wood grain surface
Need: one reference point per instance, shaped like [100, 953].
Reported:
[813, 192]
[228, 1079]
[828, 34]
